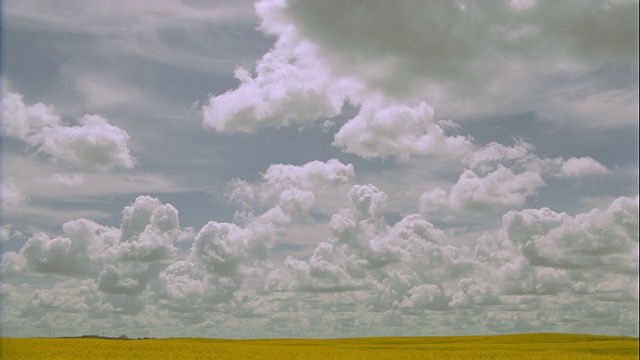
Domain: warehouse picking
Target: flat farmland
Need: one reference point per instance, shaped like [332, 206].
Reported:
[528, 346]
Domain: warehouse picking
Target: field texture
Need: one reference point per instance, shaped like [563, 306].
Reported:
[530, 347]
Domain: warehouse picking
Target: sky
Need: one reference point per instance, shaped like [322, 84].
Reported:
[298, 168]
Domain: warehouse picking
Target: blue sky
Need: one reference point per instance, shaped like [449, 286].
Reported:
[319, 169]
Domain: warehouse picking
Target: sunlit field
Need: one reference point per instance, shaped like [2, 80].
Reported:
[530, 347]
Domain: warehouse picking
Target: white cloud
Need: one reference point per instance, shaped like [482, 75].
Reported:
[147, 235]
[294, 188]
[370, 263]
[148, 232]
[5, 232]
[296, 202]
[222, 248]
[294, 82]
[498, 190]
[310, 176]
[407, 52]
[11, 193]
[70, 254]
[282, 92]
[578, 167]
[599, 238]
[399, 131]
[574, 271]
[494, 152]
[92, 145]
[25, 122]
[366, 199]
[521, 155]
[127, 278]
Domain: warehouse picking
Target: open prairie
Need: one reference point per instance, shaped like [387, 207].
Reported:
[529, 346]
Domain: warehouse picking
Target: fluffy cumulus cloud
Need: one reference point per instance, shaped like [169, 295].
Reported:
[501, 177]
[69, 254]
[293, 189]
[576, 167]
[308, 176]
[588, 262]
[498, 190]
[399, 131]
[222, 248]
[522, 155]
[600, 238]
[93, 144]
[386, 270]
[281, 92]
[147, 234]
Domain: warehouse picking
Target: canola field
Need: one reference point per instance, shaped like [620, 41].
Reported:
[527, 346]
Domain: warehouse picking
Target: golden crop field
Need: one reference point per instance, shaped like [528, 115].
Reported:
[528, 346]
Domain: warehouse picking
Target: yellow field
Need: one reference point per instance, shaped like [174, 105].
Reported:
[529, 347]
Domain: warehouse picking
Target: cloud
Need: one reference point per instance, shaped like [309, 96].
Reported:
[148, 232]
[68, 302]
[498, 190]
[312, 175]
[222, 248]
[71, 254]
[94, 144]
[474, 69]
[411, 56]
[24, 122]
[127, 278]
[310, 252]
[494, 152]
[399, 131]
[599, 238]
[379, 266]
[578, 270]
[5, 232]
[147, 235]
[583, 166]
[285, 195]
[294, 189]
[280, 93]
[539, 270]
[11, 193]
[297, 82]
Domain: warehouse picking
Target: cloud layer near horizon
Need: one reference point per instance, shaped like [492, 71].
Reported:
[403, 274]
